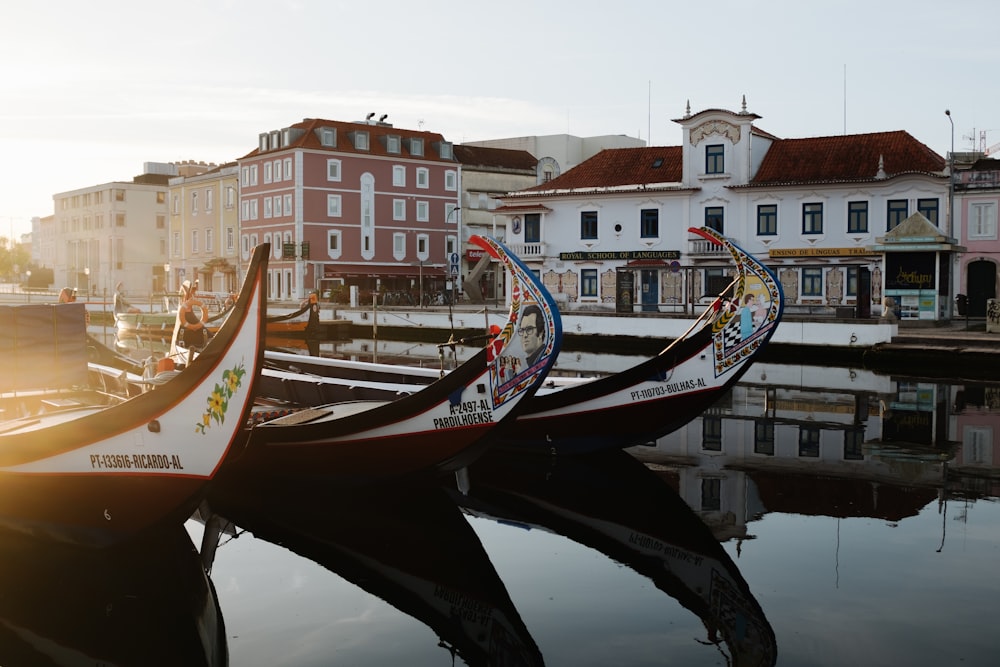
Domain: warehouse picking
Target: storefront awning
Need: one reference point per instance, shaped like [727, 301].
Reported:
[380, 271]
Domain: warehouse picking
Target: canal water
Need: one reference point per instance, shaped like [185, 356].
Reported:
[813, 516]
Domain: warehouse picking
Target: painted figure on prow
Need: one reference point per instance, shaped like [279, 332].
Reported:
[747, 313]
[532, 333]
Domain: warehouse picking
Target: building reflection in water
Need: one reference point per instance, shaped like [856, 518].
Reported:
[832, 442]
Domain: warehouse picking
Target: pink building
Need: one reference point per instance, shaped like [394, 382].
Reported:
[347, 205]
[977, 199]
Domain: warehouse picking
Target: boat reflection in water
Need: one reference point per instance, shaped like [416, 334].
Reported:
[406, 544]
[610, 502]
[146, 601]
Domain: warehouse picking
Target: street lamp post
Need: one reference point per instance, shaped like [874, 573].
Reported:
[27, 286]
[166, 277]
[86, 288]
[951, 208]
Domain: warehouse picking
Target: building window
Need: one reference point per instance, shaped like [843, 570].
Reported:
[715, 159]
[714, 218]
[588, 225]
[277, 170]
[649, 223]
[399, 246]
[399, 176]
[767, 219]
[763, 437]
[268, 210]
[812, 282]
[450, 180]
[230, 239]
[161, 222]
[896, 210]
[392, 144]
[416, 146]
[450, 213]
[423, 177]
[361, 141]
[328, 137]
[119, 219]
[333, 170]
[209, 199]
[929, 209]
[177, 244]
[809, 441]
[711, 434]
[209, 240]
[230, 197]
[333, 206]
[532, 227]
[119, 195]
[983, 220]
[812, 218]
[857, 217]
[423, 211]
[333, 244]
[161, 198]
[399, 209]
[194, 240]
[711, 494]
[854, 445]
[268, 169]
[288, 169]
[446, 150]
[588, 283]
[288, 204]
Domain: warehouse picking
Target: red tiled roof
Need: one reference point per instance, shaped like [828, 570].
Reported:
[620, 166]
[852, 157]
[309, 137]
[496, 158]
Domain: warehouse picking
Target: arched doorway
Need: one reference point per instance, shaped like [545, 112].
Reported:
[981, 282]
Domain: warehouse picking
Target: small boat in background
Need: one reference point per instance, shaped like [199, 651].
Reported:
[96, 464]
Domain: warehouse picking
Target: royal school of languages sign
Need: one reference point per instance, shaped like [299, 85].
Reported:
[627, 255]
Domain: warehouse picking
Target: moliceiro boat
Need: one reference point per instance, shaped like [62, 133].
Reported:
[577, 415]
[90, 460]
[437, 426]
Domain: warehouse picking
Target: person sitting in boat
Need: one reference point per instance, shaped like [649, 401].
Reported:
[121, 304]
[68, 295]
[192, 316]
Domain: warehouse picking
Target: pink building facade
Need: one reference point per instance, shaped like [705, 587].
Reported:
[352, 207]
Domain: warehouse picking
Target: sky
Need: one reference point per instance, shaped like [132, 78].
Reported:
[92, 91]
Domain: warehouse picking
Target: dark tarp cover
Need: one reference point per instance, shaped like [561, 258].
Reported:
[43, 346]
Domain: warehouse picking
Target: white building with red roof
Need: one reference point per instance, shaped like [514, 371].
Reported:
[820, 210]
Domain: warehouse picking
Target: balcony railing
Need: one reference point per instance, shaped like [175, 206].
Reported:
[528, 250]
[704, 248]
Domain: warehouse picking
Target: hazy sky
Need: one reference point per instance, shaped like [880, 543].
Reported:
[92, 90]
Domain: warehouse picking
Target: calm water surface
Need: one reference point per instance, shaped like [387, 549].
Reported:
[814, 516]
[852, 518]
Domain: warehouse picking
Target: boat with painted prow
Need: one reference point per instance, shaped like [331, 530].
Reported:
[436, 427]
[578, 415]
[95, 467]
